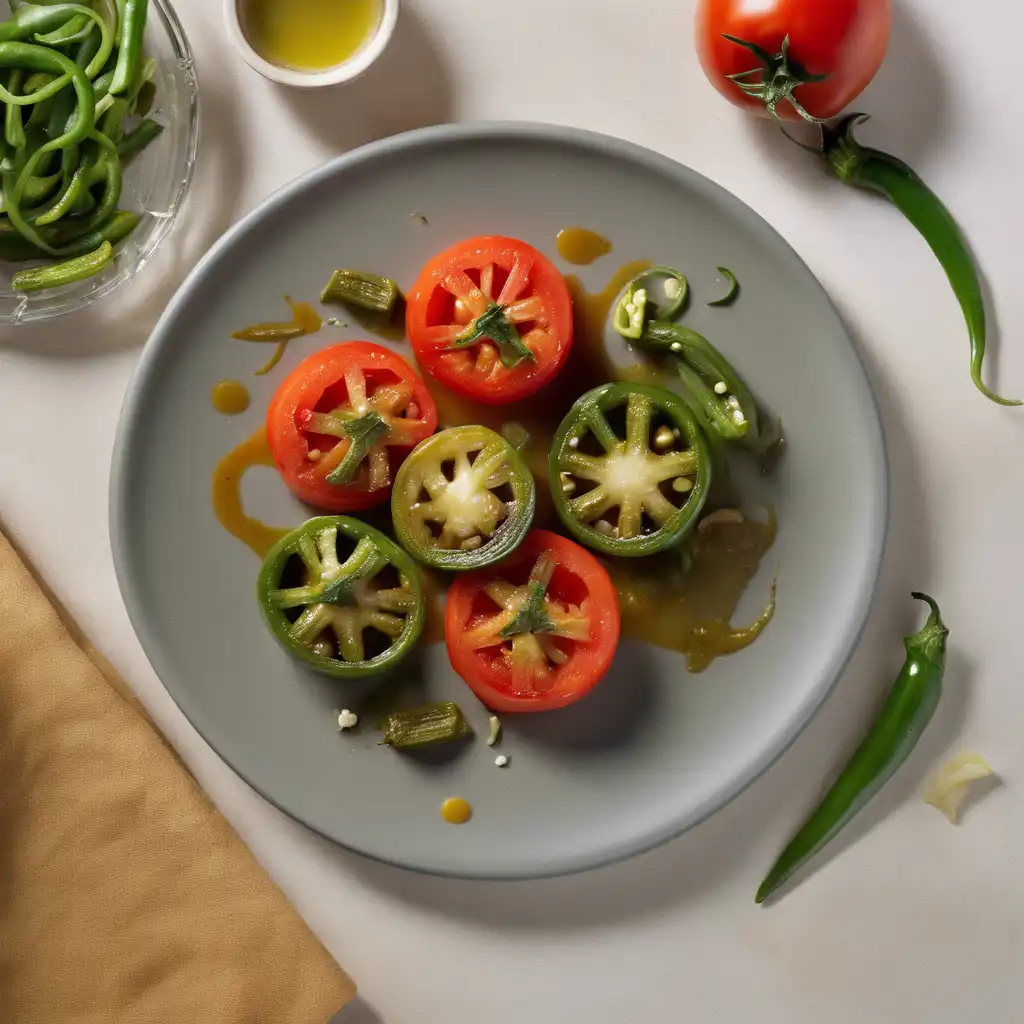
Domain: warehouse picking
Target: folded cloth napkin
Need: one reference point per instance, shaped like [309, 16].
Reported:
[124, 895]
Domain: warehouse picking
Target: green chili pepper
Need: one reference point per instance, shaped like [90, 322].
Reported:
[365, 291]
[57, 274]
[132, 26]
[714, 390]
[414, 728]
[342, 597]
[734, 288]
[475, 514]
[629, 469]
[906, 714]
[875, 171]
[14, 248]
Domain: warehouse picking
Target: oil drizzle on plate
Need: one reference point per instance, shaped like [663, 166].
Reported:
[581, 246]
[230, 397]
[227, 494]
[686, 611]
[456, 811]
[305, 320]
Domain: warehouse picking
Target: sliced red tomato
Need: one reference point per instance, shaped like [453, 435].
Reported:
[490, 319]
[843, 40]
[342, 422]
[536, 631]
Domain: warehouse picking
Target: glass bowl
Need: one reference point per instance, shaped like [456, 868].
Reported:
[156, 183]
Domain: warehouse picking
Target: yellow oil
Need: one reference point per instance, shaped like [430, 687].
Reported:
[456, 811]
[230, 397]
[309, 35]
[581, 246]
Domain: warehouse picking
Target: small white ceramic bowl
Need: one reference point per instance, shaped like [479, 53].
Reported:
[344, 72]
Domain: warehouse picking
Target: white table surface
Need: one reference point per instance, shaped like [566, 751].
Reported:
[911, 919]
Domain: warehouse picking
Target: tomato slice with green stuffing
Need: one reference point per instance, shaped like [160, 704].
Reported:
[342, 422]
[537, 631]
[491, 319]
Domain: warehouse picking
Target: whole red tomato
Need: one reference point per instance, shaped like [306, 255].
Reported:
[844, 40]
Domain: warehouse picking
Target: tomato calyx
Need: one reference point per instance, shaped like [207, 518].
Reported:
[532, 616]
[779, 77]
[363, 433]
[496, 327]
[532, 622]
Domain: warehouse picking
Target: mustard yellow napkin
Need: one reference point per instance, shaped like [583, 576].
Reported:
[124, 895]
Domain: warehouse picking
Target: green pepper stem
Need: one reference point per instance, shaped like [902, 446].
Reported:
[363, 432]
[495, 326]
[888, 176]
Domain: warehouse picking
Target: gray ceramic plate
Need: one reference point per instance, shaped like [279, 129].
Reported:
[652, 751]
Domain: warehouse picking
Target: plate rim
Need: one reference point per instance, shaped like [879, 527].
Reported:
[429, 138]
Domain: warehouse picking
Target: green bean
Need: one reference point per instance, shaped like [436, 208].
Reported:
[132, 145]
[132, 21]
[79, 269]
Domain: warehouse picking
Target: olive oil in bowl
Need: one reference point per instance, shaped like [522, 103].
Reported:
[309, 35]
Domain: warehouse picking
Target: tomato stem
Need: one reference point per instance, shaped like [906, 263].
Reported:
[779, 77]
[495, 326]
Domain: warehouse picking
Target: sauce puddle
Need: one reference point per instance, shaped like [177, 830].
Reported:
[581, 246]
[685, 611]
[230, 397]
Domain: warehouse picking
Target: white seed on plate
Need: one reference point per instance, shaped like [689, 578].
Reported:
[721, 387]
[682, 484]
[347, 720]
[501, 761]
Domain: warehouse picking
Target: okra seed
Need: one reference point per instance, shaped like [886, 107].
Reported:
[664, 437]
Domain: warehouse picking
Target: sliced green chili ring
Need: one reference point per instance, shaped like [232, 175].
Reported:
[734, 288]
[426, 726]
[642, 301]
[475, 514]
[57, 274]
[365, 291]
[630, 469]
[342, 597]
[715, 392]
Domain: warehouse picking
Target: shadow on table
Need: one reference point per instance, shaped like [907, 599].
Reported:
[357, 1012]
[721, 847]
[408, 87]
[125, 319]
[908, 102]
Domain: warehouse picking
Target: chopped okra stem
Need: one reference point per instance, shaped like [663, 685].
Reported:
[442, 722]
[365, 291]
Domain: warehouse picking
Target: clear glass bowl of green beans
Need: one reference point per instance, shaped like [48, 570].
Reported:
[86, 200]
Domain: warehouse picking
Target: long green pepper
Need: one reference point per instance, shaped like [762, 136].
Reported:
[906, 714]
